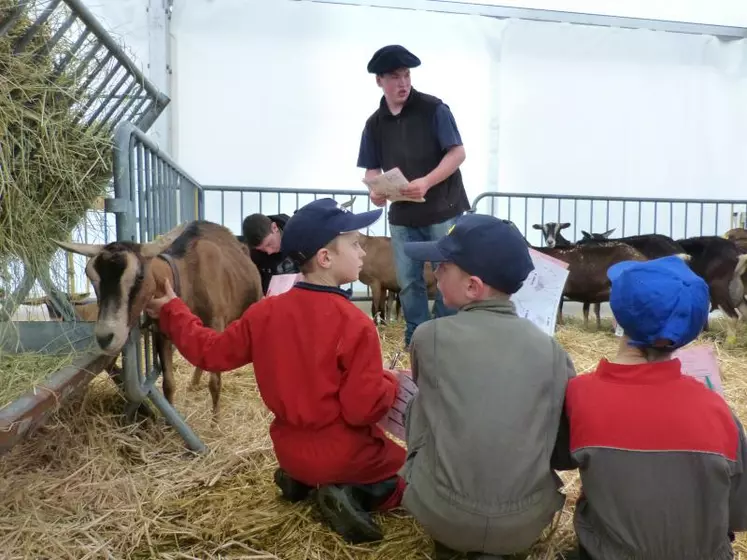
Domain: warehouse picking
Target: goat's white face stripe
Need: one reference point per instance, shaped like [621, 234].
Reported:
[114, 315]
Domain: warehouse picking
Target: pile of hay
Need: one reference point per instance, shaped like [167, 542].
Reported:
[20, 373]
[51, 168]
[92, 487]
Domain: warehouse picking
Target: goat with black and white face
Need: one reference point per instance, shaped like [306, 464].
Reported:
[123, 280]
[209, 269]
[551, 233]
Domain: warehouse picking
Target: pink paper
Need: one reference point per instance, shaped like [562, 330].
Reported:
[548, 258]
[281, 283]
[700, 362]
[394, 421]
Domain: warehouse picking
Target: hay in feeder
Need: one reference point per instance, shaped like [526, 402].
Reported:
[52, 167]
[20, 373]
[90, 486]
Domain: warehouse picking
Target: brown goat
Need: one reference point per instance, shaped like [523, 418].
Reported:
[587, 272]
[209, 269]
[379, 273]
[722, 265]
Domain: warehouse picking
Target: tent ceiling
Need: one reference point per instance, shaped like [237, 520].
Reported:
[456, 7]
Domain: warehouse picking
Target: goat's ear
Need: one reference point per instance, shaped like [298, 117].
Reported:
[585, 234]
[161, 243]
[608, 232]
[564, 225]
[537, 226]
[86, 249]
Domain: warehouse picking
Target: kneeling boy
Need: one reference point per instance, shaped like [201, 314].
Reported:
[482, 429]
[661, 456]
[317, 361]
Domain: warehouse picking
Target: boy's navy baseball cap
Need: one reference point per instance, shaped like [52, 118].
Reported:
[313, 226]
[484, 246]
[660, 299]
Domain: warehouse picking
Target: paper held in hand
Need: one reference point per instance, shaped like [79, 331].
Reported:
[390, 184]
[539, 297]
[281, 283]
[394, 421]
[700, 362]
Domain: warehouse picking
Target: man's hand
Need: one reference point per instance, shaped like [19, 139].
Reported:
[379, 201]
[416, 189]
[153, 307]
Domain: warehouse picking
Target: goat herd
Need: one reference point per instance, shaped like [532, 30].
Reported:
[213, 273]
[720, 261]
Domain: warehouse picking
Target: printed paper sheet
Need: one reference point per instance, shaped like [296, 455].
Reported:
[390, 185]
[539, 297]
[700, 362]
[394, 421]
[281, 283]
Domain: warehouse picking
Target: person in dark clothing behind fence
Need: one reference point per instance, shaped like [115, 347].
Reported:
[417, 133]
[661, 456]
[262, 234]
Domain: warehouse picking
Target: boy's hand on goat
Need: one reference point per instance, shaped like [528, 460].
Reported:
[153, 308]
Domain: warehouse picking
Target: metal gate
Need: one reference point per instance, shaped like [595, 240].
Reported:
[152, 195]
[628, 216]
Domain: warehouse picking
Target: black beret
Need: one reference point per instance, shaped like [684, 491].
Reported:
[391, 57]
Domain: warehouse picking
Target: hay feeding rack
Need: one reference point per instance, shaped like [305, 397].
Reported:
[110, 90]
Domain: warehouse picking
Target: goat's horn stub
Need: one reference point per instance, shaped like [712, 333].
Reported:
[159, 244]
[86, 249]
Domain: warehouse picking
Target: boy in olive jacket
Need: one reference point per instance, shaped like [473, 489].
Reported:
[482, 429]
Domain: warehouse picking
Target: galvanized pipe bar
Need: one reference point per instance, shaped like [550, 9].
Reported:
[25, 39]
[85, 15]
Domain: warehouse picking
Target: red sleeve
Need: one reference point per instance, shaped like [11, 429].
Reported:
[203, 347]
[367, 391]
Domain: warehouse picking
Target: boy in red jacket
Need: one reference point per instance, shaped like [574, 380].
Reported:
[317, 361]
[661, 457]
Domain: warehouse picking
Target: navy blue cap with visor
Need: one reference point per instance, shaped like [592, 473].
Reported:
[314, 225]
[658, 300]
[484, 246]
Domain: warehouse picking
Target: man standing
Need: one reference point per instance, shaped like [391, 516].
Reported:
[417, 133]
[262, 235]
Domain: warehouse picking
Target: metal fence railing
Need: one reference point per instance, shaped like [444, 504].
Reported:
[152, 195]
[229, 206]
[113, 88]
[628, 216]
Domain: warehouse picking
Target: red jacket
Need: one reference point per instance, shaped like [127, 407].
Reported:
[662, 464]
[317, 361]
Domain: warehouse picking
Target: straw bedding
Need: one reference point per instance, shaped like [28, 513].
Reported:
[89, 486]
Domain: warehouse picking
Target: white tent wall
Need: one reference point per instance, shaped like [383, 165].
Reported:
[621, 112]
[277, 94]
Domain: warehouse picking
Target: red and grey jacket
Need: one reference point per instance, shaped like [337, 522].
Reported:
[662, 463]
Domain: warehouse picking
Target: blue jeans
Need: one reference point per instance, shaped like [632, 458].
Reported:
[413, 294]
